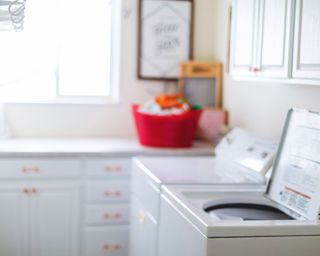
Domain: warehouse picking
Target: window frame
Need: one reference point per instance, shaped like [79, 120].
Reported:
[114, 79]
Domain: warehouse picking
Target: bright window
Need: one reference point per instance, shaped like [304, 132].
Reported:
[64, 52]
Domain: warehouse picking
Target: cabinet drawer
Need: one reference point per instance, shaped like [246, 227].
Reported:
[111, 241]
[39, 167]
[108, 191]
[107, 214]
[104, 167]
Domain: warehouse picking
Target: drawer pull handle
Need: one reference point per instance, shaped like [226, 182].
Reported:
[109, 168]
[114, 216]
[113, 194]
[30, 169]
[112, 247]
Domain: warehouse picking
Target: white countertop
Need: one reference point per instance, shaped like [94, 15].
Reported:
[97, 146]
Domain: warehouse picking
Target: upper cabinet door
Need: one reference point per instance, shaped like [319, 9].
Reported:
[306, 62]
[244, 21]
[274, 35]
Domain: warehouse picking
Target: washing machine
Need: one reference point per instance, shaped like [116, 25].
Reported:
[242, 159]
[245, 221]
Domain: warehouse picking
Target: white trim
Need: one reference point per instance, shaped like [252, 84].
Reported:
[276, 80]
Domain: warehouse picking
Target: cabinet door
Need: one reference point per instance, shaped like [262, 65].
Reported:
[274, 37]
[143, 228]
[54, 218]
[244, 25]
[13, 221]
[306, 62]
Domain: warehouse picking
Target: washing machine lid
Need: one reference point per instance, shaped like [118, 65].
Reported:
[295, 181]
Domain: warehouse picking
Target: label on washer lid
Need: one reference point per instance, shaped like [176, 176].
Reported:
[295, 181]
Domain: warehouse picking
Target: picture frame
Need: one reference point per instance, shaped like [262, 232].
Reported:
[165, 33]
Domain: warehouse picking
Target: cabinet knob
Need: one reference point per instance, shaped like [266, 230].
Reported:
[108, 168]
[256, 69]
[117, 215]
[141, 217]
[117, 247]
[25, 190]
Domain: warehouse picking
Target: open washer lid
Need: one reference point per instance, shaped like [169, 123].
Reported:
[295, 181]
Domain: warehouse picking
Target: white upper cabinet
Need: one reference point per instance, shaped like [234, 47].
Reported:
[273, 51]
[261, 37]
[244, 22]
[306, 62]
[276, 39]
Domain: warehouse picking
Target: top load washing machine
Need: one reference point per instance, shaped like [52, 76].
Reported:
[242, 159]
[227, 221]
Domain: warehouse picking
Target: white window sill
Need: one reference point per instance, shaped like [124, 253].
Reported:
[70, 101]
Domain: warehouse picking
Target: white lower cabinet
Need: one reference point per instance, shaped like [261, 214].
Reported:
[54, 219]
[143, 230]
[38, 219]
[106, 241]
[14, 221]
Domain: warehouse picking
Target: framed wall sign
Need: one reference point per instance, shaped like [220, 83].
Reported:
[165, 37]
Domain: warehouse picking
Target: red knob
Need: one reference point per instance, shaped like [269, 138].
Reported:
[25, 190]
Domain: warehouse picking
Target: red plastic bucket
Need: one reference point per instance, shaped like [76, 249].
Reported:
[174, 131]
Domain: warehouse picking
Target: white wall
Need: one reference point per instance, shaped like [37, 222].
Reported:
[260, 107]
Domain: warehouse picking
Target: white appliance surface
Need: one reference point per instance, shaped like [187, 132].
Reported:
[241, 157]
[293, 192]
[192, 201]
[196, 170]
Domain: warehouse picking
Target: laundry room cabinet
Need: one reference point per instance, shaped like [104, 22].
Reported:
[276, 39]
[261, 38]
[38, 219]
[306, 61]
[70, 197]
